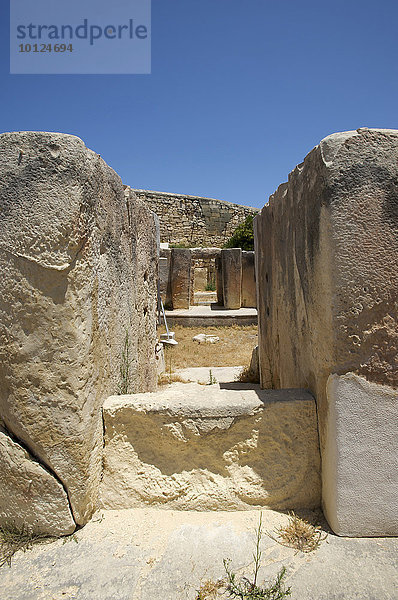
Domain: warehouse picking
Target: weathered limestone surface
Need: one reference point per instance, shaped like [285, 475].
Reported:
[29, 495]
[231, 259]
[151, 554]
[164, 275]
[254, 366]
[248, 280]
[362, 453]
[200, 279]
[195, 447]
[180, 277]
[193, 220]
[78, 264]
[219, 280]
[326, 256]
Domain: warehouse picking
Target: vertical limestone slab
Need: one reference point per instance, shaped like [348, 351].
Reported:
[249, 299]
[200, 279]
[180, 277]
[362, 457]
[232, 277]
[164, 275]
[164, 269]
[219, 280]
[327, 278]
[78, 260]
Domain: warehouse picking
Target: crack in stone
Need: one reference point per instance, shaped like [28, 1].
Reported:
[7, 431]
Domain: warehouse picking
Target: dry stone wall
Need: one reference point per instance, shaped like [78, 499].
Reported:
[327, 276]
[195, 221]
[78, 263]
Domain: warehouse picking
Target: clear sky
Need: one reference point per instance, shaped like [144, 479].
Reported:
[240, 92]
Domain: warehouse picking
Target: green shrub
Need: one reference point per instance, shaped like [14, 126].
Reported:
[243, 236]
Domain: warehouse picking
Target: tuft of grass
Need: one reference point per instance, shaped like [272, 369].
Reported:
[167, 378]
[300, 534]
[210, 590]
[14, 538]
[247, 376]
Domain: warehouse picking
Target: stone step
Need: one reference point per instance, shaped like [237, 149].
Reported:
[211, 447]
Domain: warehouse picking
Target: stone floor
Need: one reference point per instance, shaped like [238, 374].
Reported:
[202, 374]
[211, 316]
[149, 554]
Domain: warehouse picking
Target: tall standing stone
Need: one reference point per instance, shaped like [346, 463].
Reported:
[78, 266]
[219, 280]
[248, 280]
[232, 277]
[327, 256]
[180, 277]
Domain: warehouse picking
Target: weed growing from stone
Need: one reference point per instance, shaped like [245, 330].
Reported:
[246, 589]
[13, 538]
[212, 379]
[125, 367]
[242, 587]
[300, 534]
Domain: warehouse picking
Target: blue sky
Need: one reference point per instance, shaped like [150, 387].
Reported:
[240, 92]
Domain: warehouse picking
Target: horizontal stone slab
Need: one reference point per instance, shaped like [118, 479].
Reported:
[195, 447]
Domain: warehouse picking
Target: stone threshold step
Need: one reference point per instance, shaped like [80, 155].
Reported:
[226, 446]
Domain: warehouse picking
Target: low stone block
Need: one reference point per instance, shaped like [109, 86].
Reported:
[193, 447]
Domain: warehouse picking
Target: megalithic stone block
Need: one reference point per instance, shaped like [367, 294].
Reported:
[78, 264]
[248, 280]
[232, 277]
[327, 256]
[180, 277]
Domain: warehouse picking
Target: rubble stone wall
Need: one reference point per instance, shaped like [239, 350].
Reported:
[195, 221]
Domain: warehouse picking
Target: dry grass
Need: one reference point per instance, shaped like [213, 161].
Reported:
[300, 534]
[167, 378]
[234, 348]
[209, 590]
[247, 376]
[13, 538]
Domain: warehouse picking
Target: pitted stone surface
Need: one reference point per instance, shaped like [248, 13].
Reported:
[327, 282]
[196, 447]
[78, 266]
[151, 554]
[29, 495]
